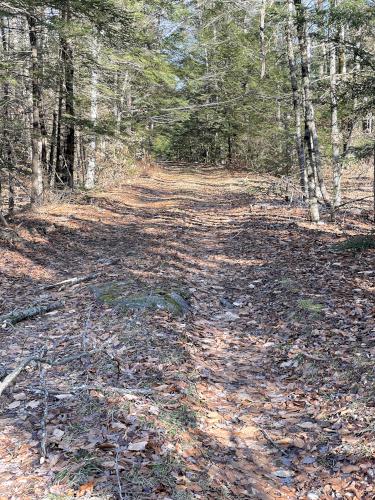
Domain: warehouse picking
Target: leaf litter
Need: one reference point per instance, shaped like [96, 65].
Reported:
[265, 389]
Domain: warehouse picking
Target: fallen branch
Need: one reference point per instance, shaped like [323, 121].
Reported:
[3, 220]
[18, 316]
[272, 442]
[352, 201]
[72, 281]
[41, 358]
[111, 389]
[14, 374]
[43, 422]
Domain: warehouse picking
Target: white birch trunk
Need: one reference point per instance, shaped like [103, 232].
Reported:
[304, 43]
[36, 138]
[335, 130]
[91, 163]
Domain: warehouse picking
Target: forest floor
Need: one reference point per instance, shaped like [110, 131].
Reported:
[264, 389]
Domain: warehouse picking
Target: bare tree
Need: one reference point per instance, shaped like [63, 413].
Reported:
[36, 140]
[303, 39]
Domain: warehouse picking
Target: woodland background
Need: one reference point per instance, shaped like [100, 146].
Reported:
[90, 87]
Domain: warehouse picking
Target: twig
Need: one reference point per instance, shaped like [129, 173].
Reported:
[40, 357]
[18, 316]
[118, 390]
[117, 469]
[72, 281]
[272, 442]
[352, 201]
[3, 220]
[14, 374]
[43, 423]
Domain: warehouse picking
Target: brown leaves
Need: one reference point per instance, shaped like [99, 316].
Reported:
[138, 445]
[254, 394]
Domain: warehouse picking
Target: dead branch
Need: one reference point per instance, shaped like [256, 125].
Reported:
[9, 379]
[353, 201]
[113, 390]
[41, 358]
[272, 442]
[3, 220]
[72, 281]
[43, 422]
[18, 316]
[117, 470]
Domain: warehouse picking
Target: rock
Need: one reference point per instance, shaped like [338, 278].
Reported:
[110, 293]
[117, 294]
[166, 301]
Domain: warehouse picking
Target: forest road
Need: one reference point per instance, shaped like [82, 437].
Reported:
[236, 399]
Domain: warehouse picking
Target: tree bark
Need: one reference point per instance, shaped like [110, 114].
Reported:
[262, 28]
[335, 130]
[59, 173]
[308, 103]
[91, 164]
[8, 157]
[296, 100]
[68, 64]
[51, 161]
[36, 140]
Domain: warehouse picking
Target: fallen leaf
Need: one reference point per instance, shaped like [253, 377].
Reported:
[292, 441]
[283, 473]
[85, 488]
[20, 396]
[137, 445]
[348, 469]
[14, 405]
[33, 404]
[58, 433]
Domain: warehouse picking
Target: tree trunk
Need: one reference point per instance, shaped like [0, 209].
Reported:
[335, 130]
[311, 181]
[262, 28]
[296, 100]
[68, 63]
[91, 164]
[36, 139]
[308, 103]
[342, 52]
[59, 169]
[51, 161]
[8, 157]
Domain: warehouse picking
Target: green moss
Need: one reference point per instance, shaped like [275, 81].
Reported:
[117, 294]
[310, 306]
[357, 243]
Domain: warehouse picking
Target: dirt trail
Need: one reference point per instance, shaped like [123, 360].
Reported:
[259, 392]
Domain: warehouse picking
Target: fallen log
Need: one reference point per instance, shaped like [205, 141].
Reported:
[72, 281]
[20, 315]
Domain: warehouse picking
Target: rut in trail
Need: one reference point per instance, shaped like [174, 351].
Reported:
[237, 399]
